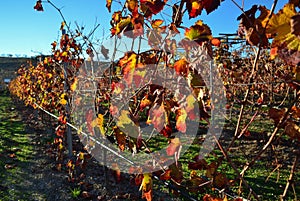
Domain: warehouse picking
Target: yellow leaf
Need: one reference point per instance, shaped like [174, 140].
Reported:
[74, 85]
[60, 146]
[156, 23]
[62, 25]
[124, 119]
[191, 100]
[279, 24]
[147, 180]
[122, 25]
[79, 131]
[64, 54]
[99, 123]
[63, 101]
[81, 155]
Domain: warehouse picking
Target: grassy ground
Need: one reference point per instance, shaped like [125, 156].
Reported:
[21, 169]
[267, 184]
[15, 151]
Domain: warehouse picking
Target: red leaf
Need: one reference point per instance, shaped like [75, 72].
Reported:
[62, 119]
[166, 131]
[150, 7]
[89, 117]
[211, 5]
[38, 6]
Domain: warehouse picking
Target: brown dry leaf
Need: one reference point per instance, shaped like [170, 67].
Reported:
[276, 114]
[8, 166]
[295, 24]
[252, 27]
[86, 194]
[292, 130]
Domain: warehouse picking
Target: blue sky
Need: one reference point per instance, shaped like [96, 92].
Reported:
[28, 32]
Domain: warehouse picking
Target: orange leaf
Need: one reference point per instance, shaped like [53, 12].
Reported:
[121, 138]
[273, 52]
[165, 175]
[148, 195]
[108, 5]
[215, 42]
[145, 102]
[132, 6]
[296, 112]
[180, 120]
[128, 64]
[208, 197]
[282, 26]
[156, 23]
[194, 8]
[173, 147]
[181, 66]
[158, 117]
[121, 24]
[74, 84]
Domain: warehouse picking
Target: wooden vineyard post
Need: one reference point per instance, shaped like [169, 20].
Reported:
[68, 129]
[211, 83]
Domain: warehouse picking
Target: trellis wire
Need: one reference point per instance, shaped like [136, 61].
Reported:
[168, 184]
